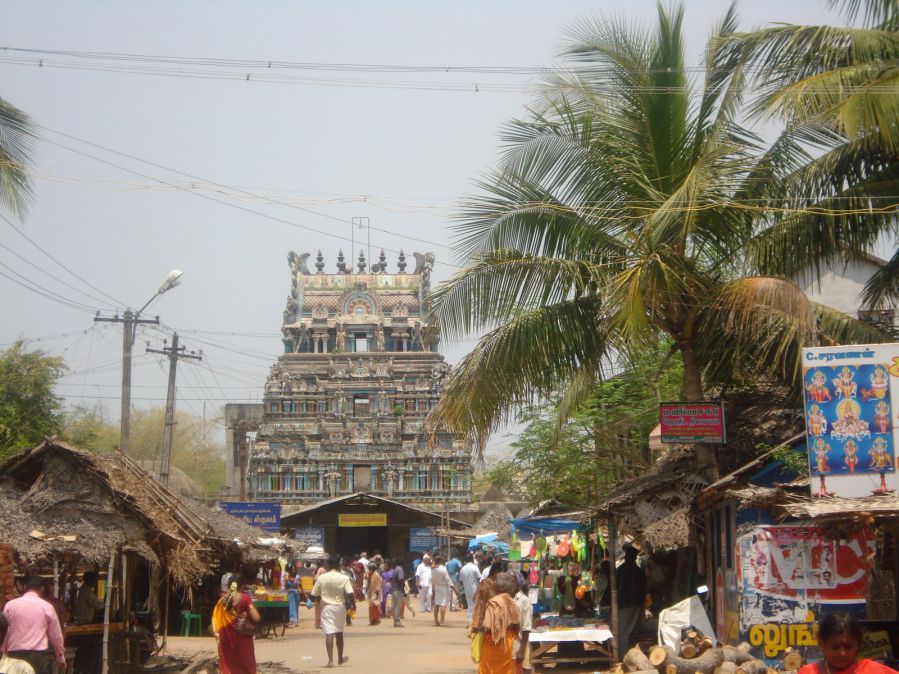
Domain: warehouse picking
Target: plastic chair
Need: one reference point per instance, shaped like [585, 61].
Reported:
[190, 622]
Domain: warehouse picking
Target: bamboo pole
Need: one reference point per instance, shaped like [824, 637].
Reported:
[109, 580]
[165, 616]
[55, 578]
[613, 539]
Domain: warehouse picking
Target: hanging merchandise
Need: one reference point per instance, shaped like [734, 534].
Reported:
[514, 547]
[563, 549]
[540, 543]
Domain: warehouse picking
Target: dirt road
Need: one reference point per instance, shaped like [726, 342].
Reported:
[418, 648]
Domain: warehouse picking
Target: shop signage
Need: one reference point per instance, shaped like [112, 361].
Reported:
[851, 398]
[422, 539]
[362, 519]
[692, 423]
[263, 515]
[311, 536]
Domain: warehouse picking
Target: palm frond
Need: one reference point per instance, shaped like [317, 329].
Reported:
[17, 148]
[882, 289]
[526, 357]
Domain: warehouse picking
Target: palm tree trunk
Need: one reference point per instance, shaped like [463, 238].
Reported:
[705, 454]
[692, 375]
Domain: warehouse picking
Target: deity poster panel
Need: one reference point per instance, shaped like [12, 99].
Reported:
[850, 411]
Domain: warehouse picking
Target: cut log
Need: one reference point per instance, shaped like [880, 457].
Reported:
[738, 654]
[752, 666]
[705, 644]
[670, 669]
[688, 650]
[657, 656]
[662, 656]
[792, 661]
[726, 668]
[635, 660]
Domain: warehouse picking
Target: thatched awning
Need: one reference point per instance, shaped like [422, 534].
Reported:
[838, 515]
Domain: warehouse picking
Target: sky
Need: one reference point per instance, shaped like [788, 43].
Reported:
[214, 136]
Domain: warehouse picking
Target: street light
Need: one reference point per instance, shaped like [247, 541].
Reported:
[131, 321]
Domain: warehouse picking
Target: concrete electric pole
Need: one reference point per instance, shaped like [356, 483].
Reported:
[174, 352]
[129, 329]
[131, 321]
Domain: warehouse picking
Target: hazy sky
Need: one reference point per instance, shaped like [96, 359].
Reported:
[307, 147]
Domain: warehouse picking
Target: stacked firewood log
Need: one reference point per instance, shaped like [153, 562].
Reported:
[698, 656]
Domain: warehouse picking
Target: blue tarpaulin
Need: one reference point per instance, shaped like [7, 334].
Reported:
[491, 541]
[546, 527]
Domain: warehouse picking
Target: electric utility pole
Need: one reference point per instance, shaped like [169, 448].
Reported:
[131, 321]
[174, 352]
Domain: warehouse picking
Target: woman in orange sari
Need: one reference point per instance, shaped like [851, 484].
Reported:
[232, 612]
[498, 618]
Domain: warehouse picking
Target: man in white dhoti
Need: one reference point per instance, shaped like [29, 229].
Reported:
[329, 593]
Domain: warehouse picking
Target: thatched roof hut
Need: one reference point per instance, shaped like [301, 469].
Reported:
[57, 500]
[656, 507]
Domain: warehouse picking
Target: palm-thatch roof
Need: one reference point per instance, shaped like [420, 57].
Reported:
[58, 500]
[838, 516]
[655, 507]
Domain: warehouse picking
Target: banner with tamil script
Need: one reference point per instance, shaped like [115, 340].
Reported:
[692, 423]
[789, 576]
[851, 398]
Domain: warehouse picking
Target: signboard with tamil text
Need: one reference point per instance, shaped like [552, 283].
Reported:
[362, 519]
[263, 515]
[851, 398]
[422, 539]
[311, 536]
[692, 423]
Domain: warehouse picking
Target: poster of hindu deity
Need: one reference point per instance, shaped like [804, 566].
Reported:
[851, 399]
[788, 576]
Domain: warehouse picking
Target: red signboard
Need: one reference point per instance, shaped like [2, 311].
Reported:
[692, 422]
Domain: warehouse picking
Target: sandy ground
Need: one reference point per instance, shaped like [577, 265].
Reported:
[418, 648]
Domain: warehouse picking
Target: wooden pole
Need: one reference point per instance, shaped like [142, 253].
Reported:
[55, 578]
[109, 580]
[165, 616]
[613, 538]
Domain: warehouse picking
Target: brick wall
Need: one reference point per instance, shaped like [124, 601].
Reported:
[7, 586]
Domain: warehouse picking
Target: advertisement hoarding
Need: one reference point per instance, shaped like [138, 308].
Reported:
[263, 515]
[684, 422]
[851, 397]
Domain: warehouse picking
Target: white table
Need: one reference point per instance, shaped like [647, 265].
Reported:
[544, 645]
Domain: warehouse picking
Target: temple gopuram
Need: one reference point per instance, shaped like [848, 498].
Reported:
[344, 406]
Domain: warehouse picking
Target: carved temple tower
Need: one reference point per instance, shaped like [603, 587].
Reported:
[344, 406]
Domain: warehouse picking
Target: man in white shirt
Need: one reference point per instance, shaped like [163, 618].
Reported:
[423, 579]
[363, 560]
[470, 575]
[330, 594]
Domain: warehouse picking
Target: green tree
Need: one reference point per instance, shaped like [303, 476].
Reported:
[620, 215]
[17, 140]
[836, 91]
[29, 410]
[605, 441]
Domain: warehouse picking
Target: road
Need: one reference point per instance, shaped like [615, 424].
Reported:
[419, 648]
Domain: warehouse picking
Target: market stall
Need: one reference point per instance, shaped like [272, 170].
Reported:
[560, 557]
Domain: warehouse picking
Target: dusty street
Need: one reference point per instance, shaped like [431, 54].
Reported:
[420, 647]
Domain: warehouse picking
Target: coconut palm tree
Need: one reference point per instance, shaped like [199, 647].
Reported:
[836, 91]
[17, 139]
[620, 213]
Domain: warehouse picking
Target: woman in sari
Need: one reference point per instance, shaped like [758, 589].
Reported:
[234, 609]
[374, 594]
[388, 582]
[497, 617]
